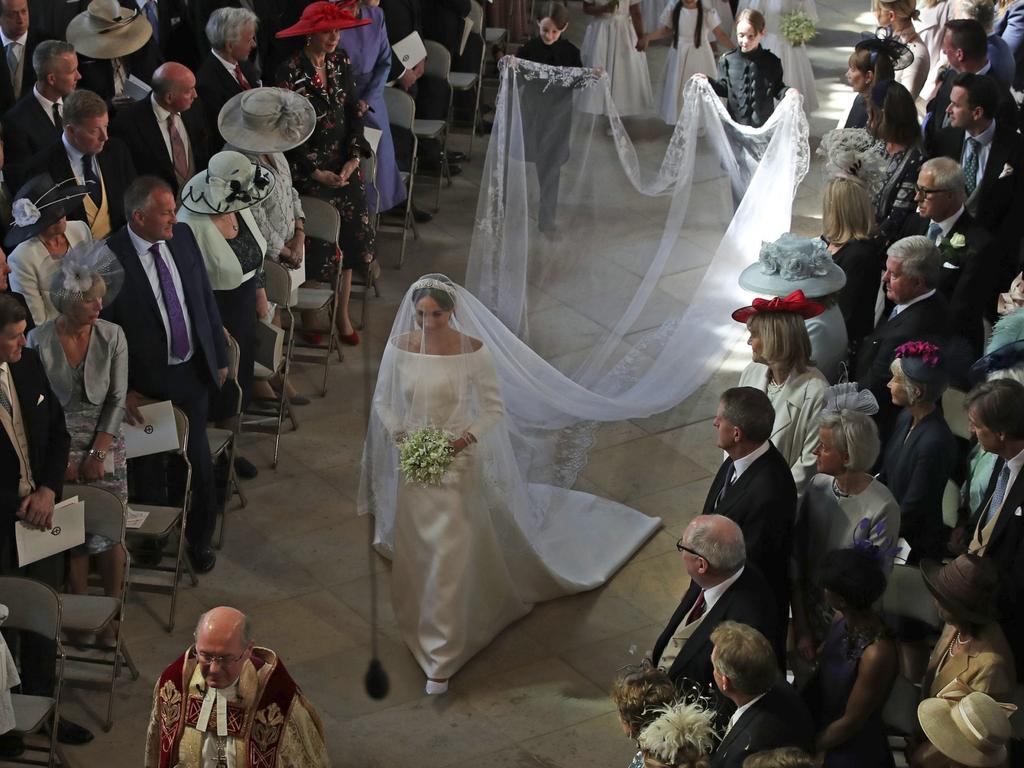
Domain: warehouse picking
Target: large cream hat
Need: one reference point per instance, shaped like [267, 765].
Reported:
[969, 727]
[266, 120]
[105, 30]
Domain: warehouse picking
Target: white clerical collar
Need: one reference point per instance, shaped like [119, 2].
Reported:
[740, 710]
[6, 40]
[217, 698]
[713, 594]
[947, 224]
[742, 465]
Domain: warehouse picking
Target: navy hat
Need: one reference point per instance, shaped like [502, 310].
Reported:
[922, 362]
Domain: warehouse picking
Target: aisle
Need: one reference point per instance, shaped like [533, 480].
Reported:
[296, 559]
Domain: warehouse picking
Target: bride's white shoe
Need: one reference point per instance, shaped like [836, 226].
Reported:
[436, 687]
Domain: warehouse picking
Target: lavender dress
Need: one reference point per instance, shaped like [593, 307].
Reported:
[370, 54]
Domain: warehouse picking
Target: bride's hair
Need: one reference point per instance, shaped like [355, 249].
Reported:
[438, 288]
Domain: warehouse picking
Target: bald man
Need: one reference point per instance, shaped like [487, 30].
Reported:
[166, 133]
[228, 703]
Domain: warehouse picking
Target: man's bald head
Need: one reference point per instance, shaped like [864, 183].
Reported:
[174, 86]
[225, 623]
[719, 541]
[223, 645]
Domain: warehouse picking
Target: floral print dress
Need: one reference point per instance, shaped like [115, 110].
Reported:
[337, 138]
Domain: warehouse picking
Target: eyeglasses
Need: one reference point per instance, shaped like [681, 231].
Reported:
[924, 191]
[683, 548]
[209, 658]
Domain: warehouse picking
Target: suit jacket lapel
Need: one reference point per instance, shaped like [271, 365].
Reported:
[151, 134]
[121, 244]
[998, 154]
[703, 632]
[1014, 498]
[28, 391]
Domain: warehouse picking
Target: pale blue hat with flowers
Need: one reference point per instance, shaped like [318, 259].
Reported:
[794, 263]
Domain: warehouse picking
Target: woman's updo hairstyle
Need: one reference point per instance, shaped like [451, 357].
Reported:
[445, 298]
[639, 693]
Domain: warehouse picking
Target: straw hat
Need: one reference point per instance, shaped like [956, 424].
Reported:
[324, 17]
[231, 182]
[266, 120]
[40, 204]
[793, 263]
[966, 586]
[969, 727]
[105, 30]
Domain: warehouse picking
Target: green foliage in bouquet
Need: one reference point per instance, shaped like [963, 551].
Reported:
[425, 455]
[797, 27]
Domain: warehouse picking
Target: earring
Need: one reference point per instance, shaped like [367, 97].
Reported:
[309, 39]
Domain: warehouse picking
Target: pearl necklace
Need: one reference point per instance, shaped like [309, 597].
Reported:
[956, 641]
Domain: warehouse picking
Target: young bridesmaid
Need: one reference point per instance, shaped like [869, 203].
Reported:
[688, 23]
[750, 77]
[610, 43]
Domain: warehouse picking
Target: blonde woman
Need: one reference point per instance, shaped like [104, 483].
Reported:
[899, 16]
[782, 369]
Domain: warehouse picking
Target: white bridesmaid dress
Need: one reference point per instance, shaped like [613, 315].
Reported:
[610, 42]
[685, 59]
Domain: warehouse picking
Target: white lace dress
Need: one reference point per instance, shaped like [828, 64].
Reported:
[796, 64]
[685, 59]
[610, 42]
[463, 569]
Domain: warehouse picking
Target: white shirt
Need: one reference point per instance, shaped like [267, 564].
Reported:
[149, 265]
[1015, 465]
[900, 307]
[984, 139]
[75, 157]
[947, 224]
[161, 120]
[19, 49]
[228, 66]
[47, 105]
[740, 710]
[713, 594]
[742, 465]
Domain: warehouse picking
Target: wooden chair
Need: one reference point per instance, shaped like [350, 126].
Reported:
[162, 524]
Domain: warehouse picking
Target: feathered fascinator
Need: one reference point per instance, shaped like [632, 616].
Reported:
[853, 154]
[849, 397]
[882, 43]
[1005, 348]
[83, 266]
[680, 729]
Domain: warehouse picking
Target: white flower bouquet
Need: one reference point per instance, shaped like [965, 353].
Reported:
[425, 455]
[797, 27]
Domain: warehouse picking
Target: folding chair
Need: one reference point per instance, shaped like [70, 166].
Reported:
[402, 112]
[35, 607]
[104, 515]
[323, 222]
[161, 524]
[439, 65]
[267, 415]
[954, 410]
[223, 442]
[472, 81]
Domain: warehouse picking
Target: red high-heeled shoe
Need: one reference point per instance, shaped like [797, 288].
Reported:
[352, 339]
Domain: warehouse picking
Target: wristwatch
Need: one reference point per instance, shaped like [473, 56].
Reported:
[97, 454]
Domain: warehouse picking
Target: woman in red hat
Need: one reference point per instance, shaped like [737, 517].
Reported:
[327, 164]
[782, 368]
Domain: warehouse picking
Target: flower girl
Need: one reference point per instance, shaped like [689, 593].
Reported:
[688, 23]
[610, 43]
[796, 64]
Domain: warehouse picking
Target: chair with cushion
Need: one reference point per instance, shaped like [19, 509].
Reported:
[90, 614]
[164, 524]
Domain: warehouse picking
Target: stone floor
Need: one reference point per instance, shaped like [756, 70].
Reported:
[296, 558]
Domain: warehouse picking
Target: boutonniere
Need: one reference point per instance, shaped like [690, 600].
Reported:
[953, 249]
[957, 241]
[1007, 171]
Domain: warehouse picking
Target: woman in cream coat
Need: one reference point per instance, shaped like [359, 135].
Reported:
[40, 238]
[781, 368]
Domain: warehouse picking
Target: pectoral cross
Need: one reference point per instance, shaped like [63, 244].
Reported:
[222, 756]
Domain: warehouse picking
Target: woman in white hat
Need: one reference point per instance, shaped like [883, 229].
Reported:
[263, 124]
[215, 204]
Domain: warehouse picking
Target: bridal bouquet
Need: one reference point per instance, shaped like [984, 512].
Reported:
[797, 27]
[425, 455]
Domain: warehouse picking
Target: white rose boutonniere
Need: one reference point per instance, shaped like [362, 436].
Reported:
[957, 241]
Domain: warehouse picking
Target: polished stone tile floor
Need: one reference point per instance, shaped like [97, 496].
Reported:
[296, 558]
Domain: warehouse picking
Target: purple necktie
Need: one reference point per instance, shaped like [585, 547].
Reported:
[175, 315]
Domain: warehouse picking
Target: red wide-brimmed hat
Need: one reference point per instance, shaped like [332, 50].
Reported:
[323, 17]
[795, 302]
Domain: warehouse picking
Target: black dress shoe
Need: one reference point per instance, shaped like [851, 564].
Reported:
[456, 157]
[72, 733]
[244, 468]
[203, 559]
[420, 216]
[454, 170]
[11, 745]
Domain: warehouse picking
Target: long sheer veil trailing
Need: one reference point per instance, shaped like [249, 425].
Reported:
[615, 257]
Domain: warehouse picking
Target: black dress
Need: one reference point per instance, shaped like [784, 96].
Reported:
[546, 141]
[238, 313]
[336, 139]
[751, 83]
[863, 262]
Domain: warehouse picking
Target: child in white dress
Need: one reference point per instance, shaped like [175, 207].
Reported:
[610, 43]
[796, 64]
[690, 24]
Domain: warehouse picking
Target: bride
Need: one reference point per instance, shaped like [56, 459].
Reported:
[473, 554]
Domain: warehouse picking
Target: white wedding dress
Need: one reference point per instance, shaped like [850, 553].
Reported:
[610, 43]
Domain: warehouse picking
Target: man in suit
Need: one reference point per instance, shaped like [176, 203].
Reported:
[86, 152]
[19, 43]
[995, 410]
[913, 267]
[5, 290]
[270, 22]
[34, 444]
[755, 488]
[722, 586]
[37, 120]
[176, 346]
[769, 713]
[226, 70]
[969, 258]
[166, 133]
[173, 35]
[965, 46]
